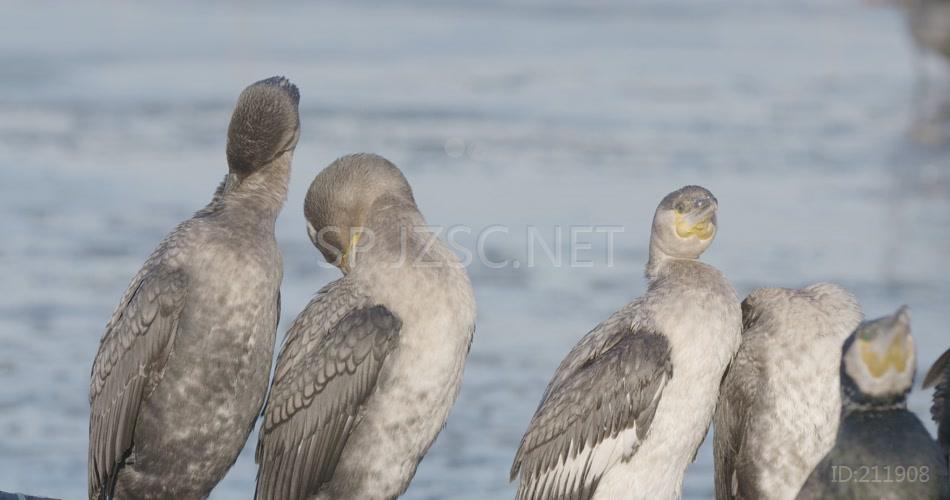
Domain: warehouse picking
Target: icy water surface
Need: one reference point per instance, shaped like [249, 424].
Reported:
[112, 126]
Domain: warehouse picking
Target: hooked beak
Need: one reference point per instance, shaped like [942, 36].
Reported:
[346, 260]
[699, 221]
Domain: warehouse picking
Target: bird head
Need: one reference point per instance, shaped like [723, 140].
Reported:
[879, 359]
[341, 200]
[265, 125]
[685, 222]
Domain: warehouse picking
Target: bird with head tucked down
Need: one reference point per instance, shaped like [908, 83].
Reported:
[182, 369]
[780, 401]
[370, 369]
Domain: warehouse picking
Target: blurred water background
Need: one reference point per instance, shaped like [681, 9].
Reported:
[515, 112]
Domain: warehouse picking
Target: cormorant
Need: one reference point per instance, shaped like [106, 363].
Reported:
[780, 399]
[882, 451]
[370, 369]
[631, 403]
[182, 369]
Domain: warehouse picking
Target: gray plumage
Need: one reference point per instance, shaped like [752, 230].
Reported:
[182, 369]
[638, 365]
[629, 406]
[779, 403]
[882, 451]
[939, 376]
[370, 369]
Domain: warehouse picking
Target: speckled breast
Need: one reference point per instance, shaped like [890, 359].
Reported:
[216, 377]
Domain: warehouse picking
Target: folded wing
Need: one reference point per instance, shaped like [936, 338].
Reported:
[593, 417]
[316, 397]
[129, 362]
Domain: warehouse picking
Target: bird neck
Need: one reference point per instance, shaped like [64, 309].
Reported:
[853, 400]
[659, 263]
[397, 237]
[262, 192]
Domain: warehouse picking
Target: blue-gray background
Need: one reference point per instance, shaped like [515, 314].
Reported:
[112, 129]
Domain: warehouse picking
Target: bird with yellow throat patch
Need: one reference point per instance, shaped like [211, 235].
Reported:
[882, 450]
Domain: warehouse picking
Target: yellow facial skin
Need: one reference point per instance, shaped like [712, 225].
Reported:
[896, 356]
[703, 230]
